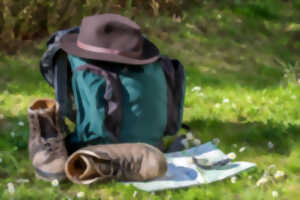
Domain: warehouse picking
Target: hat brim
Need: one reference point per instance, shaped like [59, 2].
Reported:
[149, 53]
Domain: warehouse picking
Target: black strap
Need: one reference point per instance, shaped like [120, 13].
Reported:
[174, 74]
[62, 86]
[112, 97]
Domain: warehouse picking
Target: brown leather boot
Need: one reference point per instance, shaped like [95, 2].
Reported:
[124, 162]
[47, 149]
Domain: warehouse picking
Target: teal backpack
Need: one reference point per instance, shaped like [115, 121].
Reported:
[115, 103]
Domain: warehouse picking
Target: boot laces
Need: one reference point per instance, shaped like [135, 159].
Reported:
[125, 167]
[52, 145]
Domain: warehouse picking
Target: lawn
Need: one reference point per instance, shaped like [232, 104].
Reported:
[243, 58]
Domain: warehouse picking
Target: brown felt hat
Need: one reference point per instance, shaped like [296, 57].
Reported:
[110, 37]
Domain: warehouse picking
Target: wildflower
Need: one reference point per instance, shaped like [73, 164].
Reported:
[226, 100]
[274, 194]
[201, 94]
[233, 179]
[55, 183]
[196, 141]
[218, 105]
[189, 136]
[231, 156]
[196, 89]
[185, 143]
[21, 123]
[1, 116]
[11, 188]
[134, 194]
[21, 180]
[278, 174]
[242, 149]
[216, 141]
[273, 166]
[270, 145]
[12, 134]
[263, 180]
[80, 194]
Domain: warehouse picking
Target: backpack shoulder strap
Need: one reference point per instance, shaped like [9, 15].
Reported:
[54, 68]
[112, 97]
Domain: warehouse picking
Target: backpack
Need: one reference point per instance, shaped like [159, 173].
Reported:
[114, 103]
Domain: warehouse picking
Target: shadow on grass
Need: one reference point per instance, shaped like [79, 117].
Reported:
[254, 134]
[264, 77]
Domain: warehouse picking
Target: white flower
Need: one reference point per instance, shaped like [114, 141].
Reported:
[80, 194]
[11, 188]
[278, 174]
[233, 179]
[270, 145]
[12, 134]
[273, 166]
[134, 194]
[21, 180]
[55, 183]
[242, 149]
[185, 143]
[1, 116]
[274, 194]
[196, 142]
[216, 141]
[189, 136]
[226, 100]
[196, 89]
[218, 105]
[294, 97]
[263, 180]
[201, 94]
[21, 123]
[231, 156]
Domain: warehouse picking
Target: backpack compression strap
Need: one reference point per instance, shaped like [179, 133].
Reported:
[112, 97]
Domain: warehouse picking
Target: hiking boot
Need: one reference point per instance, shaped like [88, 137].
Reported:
[47, 150]
[123, 162]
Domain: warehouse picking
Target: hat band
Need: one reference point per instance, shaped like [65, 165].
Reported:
[92, 48]
[97, 49]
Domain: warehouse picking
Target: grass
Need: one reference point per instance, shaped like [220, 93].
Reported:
[245, 52]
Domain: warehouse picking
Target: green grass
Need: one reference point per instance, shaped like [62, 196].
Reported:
[246, 52]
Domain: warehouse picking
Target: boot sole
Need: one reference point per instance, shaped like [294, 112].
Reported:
[46, 176]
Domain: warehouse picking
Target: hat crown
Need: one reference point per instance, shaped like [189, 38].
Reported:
[111, 31]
